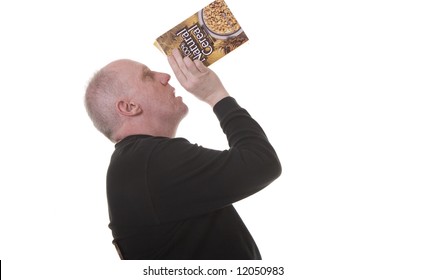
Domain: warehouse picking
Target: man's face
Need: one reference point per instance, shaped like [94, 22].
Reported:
[154, 93]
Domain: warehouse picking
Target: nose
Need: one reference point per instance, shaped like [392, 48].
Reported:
[164, 78]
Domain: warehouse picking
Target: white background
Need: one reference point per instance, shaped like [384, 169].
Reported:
[338, 86]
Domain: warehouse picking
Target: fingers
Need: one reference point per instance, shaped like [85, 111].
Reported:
[176, 63]
[192, 75]
[190, 66]
[201, 67]
[186, 66]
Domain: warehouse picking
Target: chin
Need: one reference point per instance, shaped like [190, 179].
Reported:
[184, 112]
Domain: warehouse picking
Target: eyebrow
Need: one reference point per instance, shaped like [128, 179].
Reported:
[146, 72]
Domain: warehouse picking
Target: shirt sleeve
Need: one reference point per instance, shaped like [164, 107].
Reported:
[187, 180]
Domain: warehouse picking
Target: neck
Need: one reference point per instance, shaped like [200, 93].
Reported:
[128, 129]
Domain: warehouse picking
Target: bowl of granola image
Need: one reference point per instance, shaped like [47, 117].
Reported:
[219, 21]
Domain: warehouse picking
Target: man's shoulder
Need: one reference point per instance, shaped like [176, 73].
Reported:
[146, 143]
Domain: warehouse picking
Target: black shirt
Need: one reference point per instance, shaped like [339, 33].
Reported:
[170, 199]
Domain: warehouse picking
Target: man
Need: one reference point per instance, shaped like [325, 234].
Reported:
[168, 198]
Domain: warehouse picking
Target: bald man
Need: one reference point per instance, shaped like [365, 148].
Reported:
[167, 197]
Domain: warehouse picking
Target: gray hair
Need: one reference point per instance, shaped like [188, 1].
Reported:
[100, 98]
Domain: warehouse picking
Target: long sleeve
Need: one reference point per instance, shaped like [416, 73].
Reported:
[186, 179]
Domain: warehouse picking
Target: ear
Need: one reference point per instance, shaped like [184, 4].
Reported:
[128, 108]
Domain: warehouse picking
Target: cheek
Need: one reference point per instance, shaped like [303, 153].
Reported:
[160, 104]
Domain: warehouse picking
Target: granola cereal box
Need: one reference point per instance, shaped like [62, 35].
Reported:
[207, 35]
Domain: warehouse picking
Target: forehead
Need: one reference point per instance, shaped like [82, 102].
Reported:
[137, 69]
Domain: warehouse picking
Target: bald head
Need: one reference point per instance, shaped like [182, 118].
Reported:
[126, 98]
[124, 67]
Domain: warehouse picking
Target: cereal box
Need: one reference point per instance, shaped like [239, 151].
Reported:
[207, 35]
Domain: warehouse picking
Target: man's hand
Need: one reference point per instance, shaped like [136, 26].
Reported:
[197, 78]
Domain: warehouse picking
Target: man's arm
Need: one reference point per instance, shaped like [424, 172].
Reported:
[186, 179]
